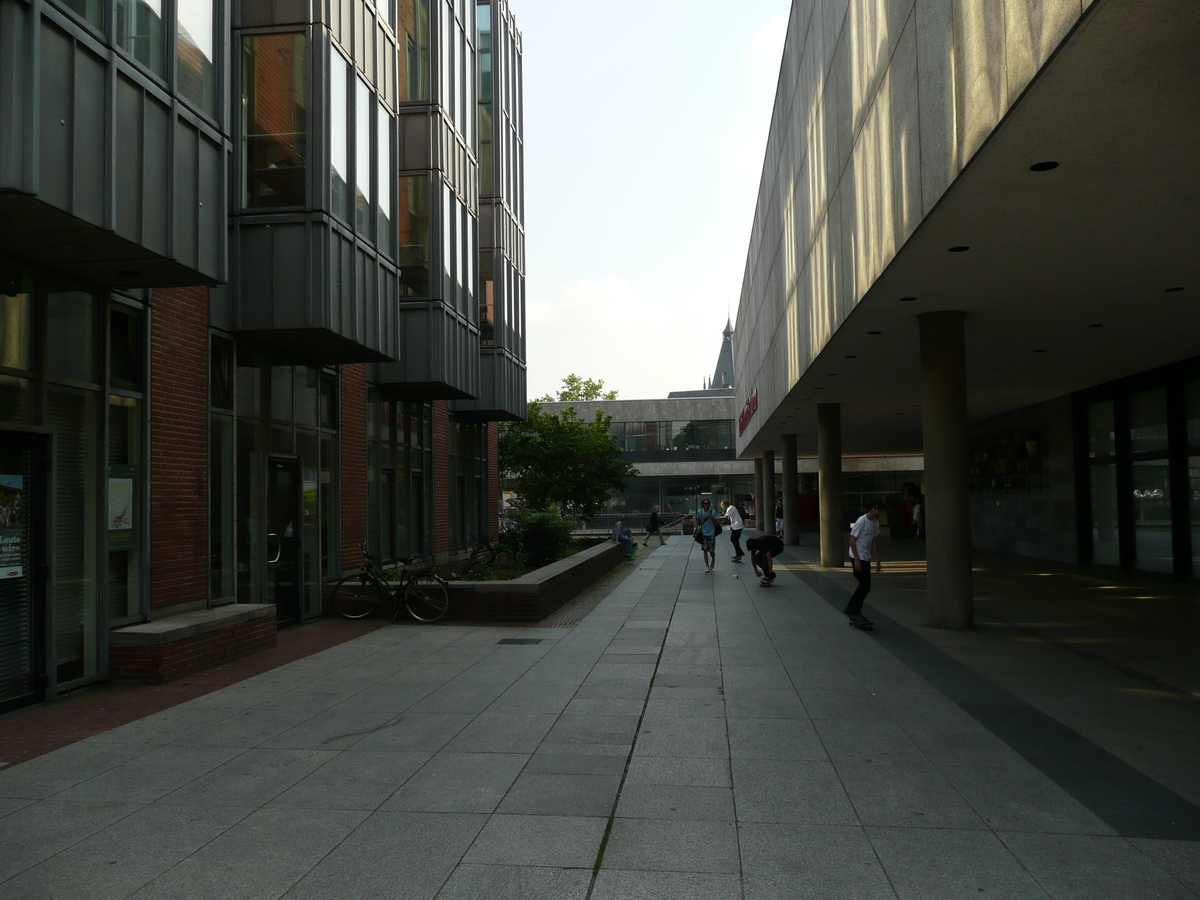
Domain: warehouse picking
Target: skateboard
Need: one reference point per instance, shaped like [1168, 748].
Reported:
[767, 582]
[736, 559]
[863, 625]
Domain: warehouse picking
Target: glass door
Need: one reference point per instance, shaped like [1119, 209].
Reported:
[22, 569]
[284, 539]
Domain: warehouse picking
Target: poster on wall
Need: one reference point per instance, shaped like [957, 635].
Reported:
[12, 526]
[120, 504]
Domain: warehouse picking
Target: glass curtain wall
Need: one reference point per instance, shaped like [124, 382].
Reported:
[286, 418]
[468, 478]
[399, 477]
[275, 120]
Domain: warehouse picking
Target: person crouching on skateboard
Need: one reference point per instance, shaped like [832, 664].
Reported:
[864, 548]
[762, 550]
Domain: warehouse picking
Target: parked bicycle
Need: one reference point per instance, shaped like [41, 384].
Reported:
[419, 590]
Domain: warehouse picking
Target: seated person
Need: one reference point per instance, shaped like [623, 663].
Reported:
[762, 550]
[624, 536]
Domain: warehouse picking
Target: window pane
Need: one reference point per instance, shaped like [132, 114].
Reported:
[140, 32]
[1194, 484]
[1152, 515]
[1105, 548]
[124, 508]
[1101, 430]
[362, 156]
[1193, 413]
[275, 119]
[71, 355]
[339, 125]
[14, 331]
[196, 49]
[385, 167]
[221, 509]
[1148, 421]
[412, 220]
[125, 349]
[413, 37]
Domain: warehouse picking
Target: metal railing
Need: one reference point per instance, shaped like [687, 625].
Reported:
[605, 522]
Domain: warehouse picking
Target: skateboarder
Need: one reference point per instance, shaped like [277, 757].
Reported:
[762, 550]
[864, 548]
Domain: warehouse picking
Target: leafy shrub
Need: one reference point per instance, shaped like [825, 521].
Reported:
[537, 536]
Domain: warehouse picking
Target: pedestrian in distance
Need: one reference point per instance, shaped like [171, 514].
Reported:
[654, 526]
[864, 549]
[918, 519]
[763, 550]
[706, 523]
[733, 519]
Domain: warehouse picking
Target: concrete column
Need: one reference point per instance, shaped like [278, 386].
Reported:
[947, 508]
[791, 491]
[768, 522]
[829, 483]
[758, 492]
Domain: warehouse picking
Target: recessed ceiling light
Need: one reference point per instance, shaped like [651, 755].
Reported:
[960, 249]
[851, 357]
[1039, 351]
[831, 374]
[1174, 290]
[1097, 325]
[818, 389]
[874, 332]
[130, 273]
[1043, 166]
[907, 299]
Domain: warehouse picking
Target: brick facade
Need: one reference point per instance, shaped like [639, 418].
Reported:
[441, 478]
[179, 447]
[353, 454]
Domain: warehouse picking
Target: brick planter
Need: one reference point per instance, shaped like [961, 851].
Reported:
[167, 648]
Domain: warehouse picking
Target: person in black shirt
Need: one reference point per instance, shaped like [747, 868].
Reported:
[762, 550]
[654, 527]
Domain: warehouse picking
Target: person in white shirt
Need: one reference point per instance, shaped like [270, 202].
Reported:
[864, 549]
[733, 519]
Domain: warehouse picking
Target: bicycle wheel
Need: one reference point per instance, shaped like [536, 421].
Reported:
[356, 597]
[426, 598]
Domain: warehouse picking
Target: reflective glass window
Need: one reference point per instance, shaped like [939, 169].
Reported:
[412, 221]
[140, 32]
[1148, 421]
[362, 156]
[386, 167]
[413, 36]
[1152, 515]
[275, 119]
[487, 300]
[124, 508]
[91, 10]
[339, 127]
[195, 46]
[1192, 413]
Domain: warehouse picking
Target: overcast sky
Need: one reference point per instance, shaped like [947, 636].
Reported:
[645, 128]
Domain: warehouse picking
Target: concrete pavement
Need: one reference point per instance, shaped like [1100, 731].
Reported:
[694, 737]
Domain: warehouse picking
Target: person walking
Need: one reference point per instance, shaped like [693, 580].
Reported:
[864, 549]
[706, 521]
[733, 519]
[654, 527]
[918, 519]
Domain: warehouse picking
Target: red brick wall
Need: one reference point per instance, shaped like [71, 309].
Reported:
[179, 447]
[493, 480]
[353, 436]
[441, 477]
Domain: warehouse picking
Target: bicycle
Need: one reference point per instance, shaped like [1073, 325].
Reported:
[420, 590]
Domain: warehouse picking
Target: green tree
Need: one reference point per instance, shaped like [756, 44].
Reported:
[563, 460]
[576, 388]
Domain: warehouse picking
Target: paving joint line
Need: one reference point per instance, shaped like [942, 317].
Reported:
[632, 747]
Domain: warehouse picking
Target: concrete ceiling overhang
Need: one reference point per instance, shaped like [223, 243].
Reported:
[1072, 275]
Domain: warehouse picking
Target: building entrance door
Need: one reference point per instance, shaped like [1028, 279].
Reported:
[23, 570]
[284, 538]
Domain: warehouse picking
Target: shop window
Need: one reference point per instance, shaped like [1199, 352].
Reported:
[275, 119]
[15, 337]
[71, 356]
[1148, 421]
[125, 349]
[125, 505]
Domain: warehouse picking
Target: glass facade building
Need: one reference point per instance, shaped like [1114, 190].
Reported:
[234, 313]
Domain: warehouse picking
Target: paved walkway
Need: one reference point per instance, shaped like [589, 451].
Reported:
[695, 736]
